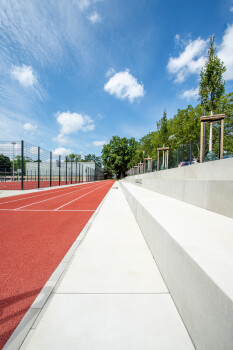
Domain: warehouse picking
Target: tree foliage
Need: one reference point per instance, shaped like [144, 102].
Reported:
[118, 154]
[211, 86]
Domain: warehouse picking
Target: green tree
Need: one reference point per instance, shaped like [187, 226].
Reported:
[162, 126]
[212, 85]
[5, 164]
[118, 154]
[93, 158]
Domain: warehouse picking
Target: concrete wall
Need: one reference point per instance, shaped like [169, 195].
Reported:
[207, 185]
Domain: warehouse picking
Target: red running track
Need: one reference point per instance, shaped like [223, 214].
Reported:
[37, 230]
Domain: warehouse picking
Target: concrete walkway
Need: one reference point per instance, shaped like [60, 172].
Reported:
[112, 296]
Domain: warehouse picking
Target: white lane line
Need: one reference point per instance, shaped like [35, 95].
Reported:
[43, 194]
[80, 197]
[48, 199]
[26, 210]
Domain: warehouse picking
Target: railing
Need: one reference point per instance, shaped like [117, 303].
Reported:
[25, 166]
[184, 155]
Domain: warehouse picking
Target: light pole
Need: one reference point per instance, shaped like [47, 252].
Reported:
[13, 143]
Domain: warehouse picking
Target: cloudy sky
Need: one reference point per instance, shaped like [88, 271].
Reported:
[73, 73]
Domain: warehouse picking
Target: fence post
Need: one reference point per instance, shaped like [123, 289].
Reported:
[22, 155]
[66, 171]
[71, 171]
[38, 169]
[50, 169]
[76, 176]
[219, 144]
[177, 156]
[59, 171]
[191, 148]
[203, 154]
[79, 172]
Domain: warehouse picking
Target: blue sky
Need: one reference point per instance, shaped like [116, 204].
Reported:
[73, 73]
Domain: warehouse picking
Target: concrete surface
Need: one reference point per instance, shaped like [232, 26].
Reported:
[193, 249]
[111, 296]
[207, 185]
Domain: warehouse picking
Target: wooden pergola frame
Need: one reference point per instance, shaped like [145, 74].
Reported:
[149, 160]
[207, 120]
[166, 150]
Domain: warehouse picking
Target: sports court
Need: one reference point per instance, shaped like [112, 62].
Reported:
[37, 230]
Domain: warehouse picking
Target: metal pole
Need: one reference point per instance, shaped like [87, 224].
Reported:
[177, 156]
[51, 169]
[59, 170]
[76, 177]
[79, 172]
[22, 155]
[219, 144]
[191, 148]
[38, 178]
[66, 171]
[71, 172]
[13, 143]
[203, 156]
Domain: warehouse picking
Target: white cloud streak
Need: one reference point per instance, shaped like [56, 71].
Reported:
[225, 52]
[190, 61]
[189, 94]
[123, 85]
[63, 151]
[94, 18]
[99, 143]
[29, 127]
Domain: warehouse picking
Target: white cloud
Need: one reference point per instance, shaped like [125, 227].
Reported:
[190, 61]
[231, 9]
[110, 72]
[190, 94]
[73, 122]
[29, 127]
[225, 52]
[63, 151]
[98, 143]
[24, 75]
[123, 85]
[94, 17]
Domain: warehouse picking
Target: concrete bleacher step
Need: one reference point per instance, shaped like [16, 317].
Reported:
[193, 249]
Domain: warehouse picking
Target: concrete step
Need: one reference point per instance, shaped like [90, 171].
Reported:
[193, 249]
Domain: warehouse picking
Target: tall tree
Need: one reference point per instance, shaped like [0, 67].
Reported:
[118, 153]
[212, 85]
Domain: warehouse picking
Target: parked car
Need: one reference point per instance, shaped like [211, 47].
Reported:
[228, 156]
[184, 163]
[187, 162]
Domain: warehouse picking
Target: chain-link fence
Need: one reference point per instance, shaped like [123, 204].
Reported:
[25, 166]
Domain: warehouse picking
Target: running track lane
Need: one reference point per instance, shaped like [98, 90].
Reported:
[32, 244]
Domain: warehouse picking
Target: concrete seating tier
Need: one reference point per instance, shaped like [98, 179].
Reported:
[193, 249]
